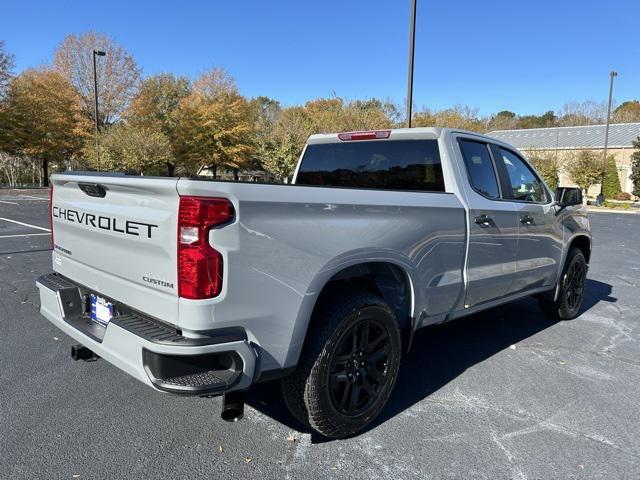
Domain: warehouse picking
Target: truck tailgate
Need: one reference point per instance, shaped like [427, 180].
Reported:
[117, 236]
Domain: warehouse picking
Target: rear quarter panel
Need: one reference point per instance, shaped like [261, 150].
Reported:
[287, 241]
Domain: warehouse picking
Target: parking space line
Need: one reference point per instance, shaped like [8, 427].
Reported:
[24, 235]
[31, 196]
[8, 203]
[25, 224]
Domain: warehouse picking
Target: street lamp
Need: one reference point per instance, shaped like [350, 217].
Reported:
[96, 53]
[606, 130]
[412, 42]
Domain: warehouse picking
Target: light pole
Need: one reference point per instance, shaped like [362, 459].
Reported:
[606, 130]
[412, 42]
[96, 53]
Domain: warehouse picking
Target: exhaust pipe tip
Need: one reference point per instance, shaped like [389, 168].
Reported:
[232, 406]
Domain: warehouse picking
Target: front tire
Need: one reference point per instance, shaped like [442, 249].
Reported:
[348, 366]
[572, 288]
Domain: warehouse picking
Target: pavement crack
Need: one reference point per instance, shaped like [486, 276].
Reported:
[599, 353]
[476, 404]
[516, 471]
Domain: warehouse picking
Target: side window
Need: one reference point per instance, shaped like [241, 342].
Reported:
[479, 165]
[525, 185]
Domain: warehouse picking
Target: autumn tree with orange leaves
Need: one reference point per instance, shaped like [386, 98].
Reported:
[43, 118]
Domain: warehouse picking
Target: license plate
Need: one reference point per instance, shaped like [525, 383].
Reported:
[101, 310]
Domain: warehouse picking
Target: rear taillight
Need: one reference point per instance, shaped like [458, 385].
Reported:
[199, 264]
[370, 135]
[51, 215]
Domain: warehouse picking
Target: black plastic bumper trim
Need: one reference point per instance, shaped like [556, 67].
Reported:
[201, 374]
[73, 298]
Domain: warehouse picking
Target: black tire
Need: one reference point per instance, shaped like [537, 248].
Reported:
[327, 372]
[572, 287]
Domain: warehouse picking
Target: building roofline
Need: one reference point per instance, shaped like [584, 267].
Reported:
[561, 128]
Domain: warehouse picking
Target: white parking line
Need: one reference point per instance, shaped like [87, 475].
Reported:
[31, 196]
[8, 203]
[25, 224]
[24, 235]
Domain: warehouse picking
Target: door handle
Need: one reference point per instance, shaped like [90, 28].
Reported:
[526, 220]
[483, 220]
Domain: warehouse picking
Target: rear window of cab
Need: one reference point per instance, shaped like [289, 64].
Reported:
[376, 164]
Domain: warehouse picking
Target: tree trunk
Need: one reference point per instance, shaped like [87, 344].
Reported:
[45, 173]
[213, 168]
[171, 169]
[236, 175]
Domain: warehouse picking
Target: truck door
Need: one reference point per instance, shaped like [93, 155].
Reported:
[539, 233]
[493, 228]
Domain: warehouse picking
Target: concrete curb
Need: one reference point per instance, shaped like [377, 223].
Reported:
[614, 210]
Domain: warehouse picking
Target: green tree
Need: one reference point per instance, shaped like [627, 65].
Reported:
[43, 119]
[611, 182]
[264, 115]
[131, 149]
[546, 163]
[504, 120]
[635, 167]
[290, 133]
[584, 168]
[154, 108]
[547, 119]
[214, 126]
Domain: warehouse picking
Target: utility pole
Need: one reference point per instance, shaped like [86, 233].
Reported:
[412, 42]
[606, 130]
[96, 53]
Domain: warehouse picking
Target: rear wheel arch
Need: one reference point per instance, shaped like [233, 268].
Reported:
[387, 280]
[384, 279]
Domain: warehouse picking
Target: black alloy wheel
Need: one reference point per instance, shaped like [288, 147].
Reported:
[359, 368]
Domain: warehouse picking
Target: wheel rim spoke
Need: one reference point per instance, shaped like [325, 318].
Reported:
[357, 372]
[345, 396]
[369, 389]
[378, 355]
[355, 396]
[363, 340]
[373, 345]
[375, 374]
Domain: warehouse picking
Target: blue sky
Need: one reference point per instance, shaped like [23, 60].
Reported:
[522, 55]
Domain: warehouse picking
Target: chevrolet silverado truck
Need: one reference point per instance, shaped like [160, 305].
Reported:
[201, 287]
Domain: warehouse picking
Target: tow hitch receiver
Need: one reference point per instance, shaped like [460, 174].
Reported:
[80, 352]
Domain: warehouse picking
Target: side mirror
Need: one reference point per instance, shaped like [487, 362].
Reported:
[568, 196]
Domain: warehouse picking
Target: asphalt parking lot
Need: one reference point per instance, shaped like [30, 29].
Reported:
[502, 394]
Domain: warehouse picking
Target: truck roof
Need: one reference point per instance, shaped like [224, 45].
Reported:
[390, 134]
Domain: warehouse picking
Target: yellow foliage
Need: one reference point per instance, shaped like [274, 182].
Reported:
[44, 117]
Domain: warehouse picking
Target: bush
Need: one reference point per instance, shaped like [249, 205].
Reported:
[623, 196]
[611, 185]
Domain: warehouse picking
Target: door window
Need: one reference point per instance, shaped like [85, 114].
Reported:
[482, 174]
[525, 185]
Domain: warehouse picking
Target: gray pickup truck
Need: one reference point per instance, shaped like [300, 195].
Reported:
[201, 287]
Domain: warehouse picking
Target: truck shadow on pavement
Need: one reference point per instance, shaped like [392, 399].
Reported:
[440, 353]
